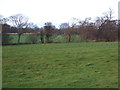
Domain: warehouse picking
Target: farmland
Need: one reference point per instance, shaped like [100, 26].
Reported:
[65, 65]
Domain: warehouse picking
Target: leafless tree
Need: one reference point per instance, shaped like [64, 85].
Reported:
[108, 30]
[87, 29]
[42, 35]
[106, 27]
[48, 30]
[3, 20]
[20, 22]
[70, 28]
[67, 31]
[109, 14]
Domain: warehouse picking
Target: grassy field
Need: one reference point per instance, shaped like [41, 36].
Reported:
[55, 38]
[66, 65]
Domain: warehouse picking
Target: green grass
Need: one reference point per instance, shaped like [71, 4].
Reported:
[66, 65]
[23, 39]
[55, 38]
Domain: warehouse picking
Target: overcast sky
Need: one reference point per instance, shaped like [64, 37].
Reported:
[57, 11]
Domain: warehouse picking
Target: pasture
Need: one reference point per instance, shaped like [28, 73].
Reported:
[65, 65]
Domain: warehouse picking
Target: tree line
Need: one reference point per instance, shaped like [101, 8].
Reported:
[104, 28]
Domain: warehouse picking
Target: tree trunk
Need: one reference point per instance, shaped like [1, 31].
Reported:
[19, 35]
[42, 39]
[69, 38]
[42, 36]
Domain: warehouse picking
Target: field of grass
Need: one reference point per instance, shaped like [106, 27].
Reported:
[66, 65]
[55, 38]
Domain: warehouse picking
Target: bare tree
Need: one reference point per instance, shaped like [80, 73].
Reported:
[67, 30]
[20, 22]
[109, 14]
[42, 35]
[74, 22]
[48, 28]
[106, 27]
[86, 29]
[108, 30]
[70, 28]
[3, 20]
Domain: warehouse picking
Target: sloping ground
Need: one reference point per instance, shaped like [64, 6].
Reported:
[73, 65]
